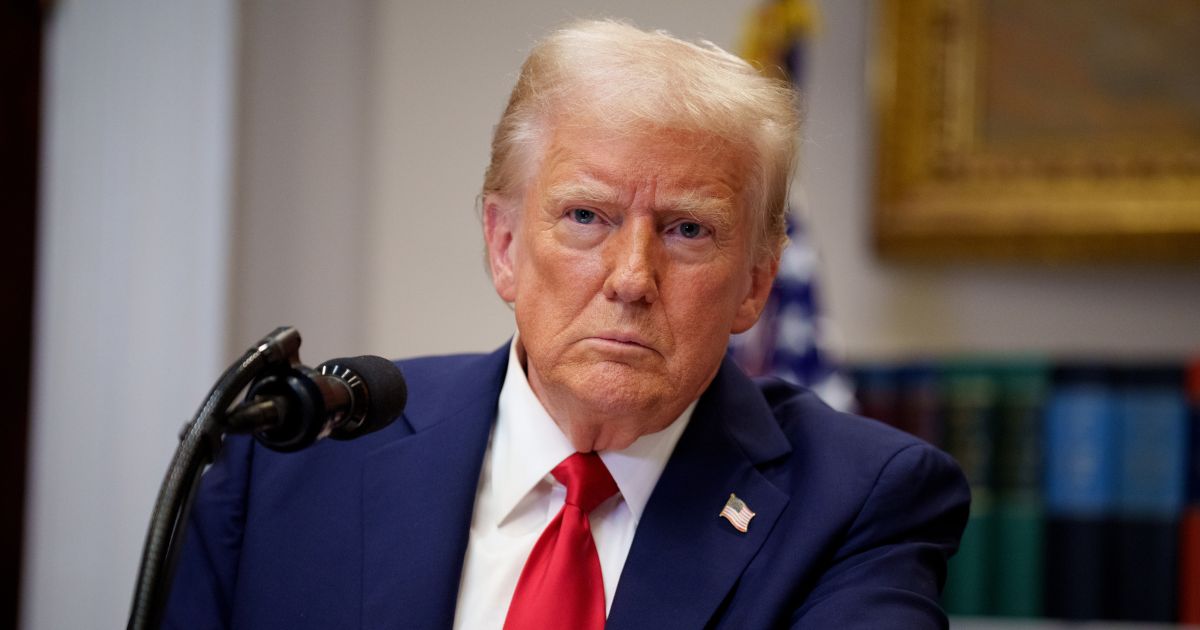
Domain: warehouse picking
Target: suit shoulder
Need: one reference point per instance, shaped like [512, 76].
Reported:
[440, 385]
[810, 423]
[842, 459]
[437, 371]
[439, 363]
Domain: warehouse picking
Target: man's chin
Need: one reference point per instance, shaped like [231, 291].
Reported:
[614, 417]
[612, 433]
[619, 390]
[609, 403]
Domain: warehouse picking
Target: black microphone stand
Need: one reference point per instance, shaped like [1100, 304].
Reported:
[199, 443]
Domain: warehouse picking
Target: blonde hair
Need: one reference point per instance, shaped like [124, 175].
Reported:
[626, 78]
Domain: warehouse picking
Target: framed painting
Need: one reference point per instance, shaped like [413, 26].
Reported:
[1032, 130]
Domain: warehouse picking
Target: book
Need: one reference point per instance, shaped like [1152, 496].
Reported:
[1189, 566]
[1151, 489]
[1192, 393]
[968, 409]
[1189, 528]
[1154, 434]
[1019, 518]
[1018, 535]
[1080, 438]
[876, 391]
[1078, 565]
[1079, 487]
[919, 402]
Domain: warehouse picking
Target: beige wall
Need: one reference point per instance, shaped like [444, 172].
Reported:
[301, 205]
[137, 141]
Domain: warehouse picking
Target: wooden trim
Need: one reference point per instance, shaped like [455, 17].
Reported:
[21, 30]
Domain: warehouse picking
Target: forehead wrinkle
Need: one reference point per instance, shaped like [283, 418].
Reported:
[582, 191]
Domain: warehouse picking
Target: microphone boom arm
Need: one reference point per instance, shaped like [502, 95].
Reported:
[199, 443]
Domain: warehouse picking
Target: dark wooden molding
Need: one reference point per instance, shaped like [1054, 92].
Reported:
[21, 30]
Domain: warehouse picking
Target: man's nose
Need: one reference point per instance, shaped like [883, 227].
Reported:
[632, 266]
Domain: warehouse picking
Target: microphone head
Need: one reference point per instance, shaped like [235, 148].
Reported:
[385, 391]
[298, 401]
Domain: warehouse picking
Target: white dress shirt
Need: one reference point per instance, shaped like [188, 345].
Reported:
[518, 497]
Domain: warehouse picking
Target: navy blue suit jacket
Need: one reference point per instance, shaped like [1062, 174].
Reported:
[854, 520]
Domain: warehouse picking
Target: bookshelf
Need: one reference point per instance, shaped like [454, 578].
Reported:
[991, 623]
[1085, 479]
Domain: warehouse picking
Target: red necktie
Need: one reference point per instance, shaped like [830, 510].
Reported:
[561, 585]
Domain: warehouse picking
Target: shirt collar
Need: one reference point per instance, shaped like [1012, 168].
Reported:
[527, 445]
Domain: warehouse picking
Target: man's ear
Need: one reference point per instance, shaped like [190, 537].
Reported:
[499, 232]
[762, 276]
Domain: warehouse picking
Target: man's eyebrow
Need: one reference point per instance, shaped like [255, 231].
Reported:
[582, 192]
[696, 203]
[716, 211]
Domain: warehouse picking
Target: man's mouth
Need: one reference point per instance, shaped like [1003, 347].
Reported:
[622, 337]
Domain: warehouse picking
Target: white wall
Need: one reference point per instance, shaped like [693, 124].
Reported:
[299, 232]
[131, 293]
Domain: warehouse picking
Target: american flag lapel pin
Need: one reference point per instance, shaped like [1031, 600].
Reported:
[737, 513]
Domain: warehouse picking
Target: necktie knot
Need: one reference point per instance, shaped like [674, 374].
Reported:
[562, 585]
[587, 480]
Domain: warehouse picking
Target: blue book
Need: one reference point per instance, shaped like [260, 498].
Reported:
[1154, 435]
[1151, 489]
[1081, 465]
[1081, 444]
[1193, 395]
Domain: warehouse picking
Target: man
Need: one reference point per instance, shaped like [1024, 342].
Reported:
[609, 465]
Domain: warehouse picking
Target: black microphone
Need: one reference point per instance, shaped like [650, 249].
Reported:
[342, 399]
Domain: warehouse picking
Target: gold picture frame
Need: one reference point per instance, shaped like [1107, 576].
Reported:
[1035, 130]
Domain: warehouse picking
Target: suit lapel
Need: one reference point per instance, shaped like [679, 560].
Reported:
[418, 497]
[685, 559]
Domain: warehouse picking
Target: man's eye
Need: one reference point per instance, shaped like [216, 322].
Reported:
[581, 215]
[691, 230]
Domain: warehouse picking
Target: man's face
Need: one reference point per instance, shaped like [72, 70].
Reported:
[629, 262]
